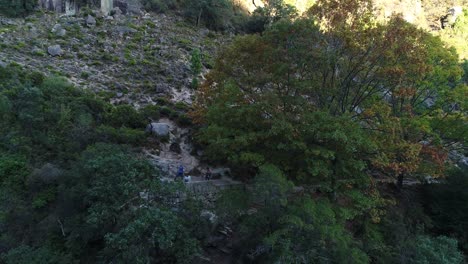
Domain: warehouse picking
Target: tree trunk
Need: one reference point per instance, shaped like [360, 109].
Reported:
[199, 17]
[400, 180]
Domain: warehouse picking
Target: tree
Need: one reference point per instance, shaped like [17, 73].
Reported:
[445, 204]
[289, 228]
[213, 13]
[432, 250]
[272, 12]
[16, 8]
[29, 255]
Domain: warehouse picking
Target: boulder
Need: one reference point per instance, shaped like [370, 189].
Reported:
[90, 21]
[122, 30]
[58, 30]
[55, 50]
[159, 129]
[116, 12]
[220, 172]
[3, 64]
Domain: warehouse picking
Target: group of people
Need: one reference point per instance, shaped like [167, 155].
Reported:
[187, 178]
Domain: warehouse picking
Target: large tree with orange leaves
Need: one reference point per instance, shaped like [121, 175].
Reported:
[394, 80]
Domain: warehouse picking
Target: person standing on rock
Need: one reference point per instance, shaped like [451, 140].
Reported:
[208, 174]
[180, 172]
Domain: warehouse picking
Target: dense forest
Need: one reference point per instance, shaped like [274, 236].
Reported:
[348, 133]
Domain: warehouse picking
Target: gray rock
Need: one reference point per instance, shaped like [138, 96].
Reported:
[7, 22]
[159, 129]
[90, 21]
[3, 64]
[162, 88]
[463, 162]
[36, 50]
[116, 12]
[220, 172]
[119, 95]
[59, 30]
[55, 50]
[122, 5]
[62, 32]
[122, 30]
[56, 28]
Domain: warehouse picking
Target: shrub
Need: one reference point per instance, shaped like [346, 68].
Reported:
[196, 64]
[165, 111]
[121, 135]
[17, 7]
[159, 6]
[184, 120]
[125, 115]
[150, 112]
[214, 14]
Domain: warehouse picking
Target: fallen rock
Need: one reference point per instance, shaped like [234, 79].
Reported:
[90, 21]
[159, 129]
[2, 64]
[55, 50]
[122, 30]
[116, 12]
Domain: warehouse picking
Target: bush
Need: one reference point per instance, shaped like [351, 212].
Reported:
[159, 6]
[121, 135]
[125, 115]
[166, 111]
[17, 7]
[184, 120]
[214, 14]
[432, 250]
[150, 112]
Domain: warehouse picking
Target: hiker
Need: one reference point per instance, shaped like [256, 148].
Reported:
[180, 172]
[208, 174]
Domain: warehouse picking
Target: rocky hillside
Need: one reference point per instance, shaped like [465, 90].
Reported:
[129, 59]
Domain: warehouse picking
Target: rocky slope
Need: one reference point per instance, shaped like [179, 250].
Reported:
[130, 59]
[127, 59]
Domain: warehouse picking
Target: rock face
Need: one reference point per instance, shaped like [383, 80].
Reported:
[158, 129]
[55, 50]
[106, 6]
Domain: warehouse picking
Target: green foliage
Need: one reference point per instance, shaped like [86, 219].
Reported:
[253, 104]
[150, 112]
[159, 6]
[16, 8]
[446, 205]
[272, 12]
[121, 135]
[125, 115]
[214, 14]
[456, 34]
[13, 172]
[27, 255]
[196, 64]
[67, 197]
[285, 228]
[432, 250]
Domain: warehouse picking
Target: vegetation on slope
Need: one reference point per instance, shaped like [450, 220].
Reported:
[305, 113]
